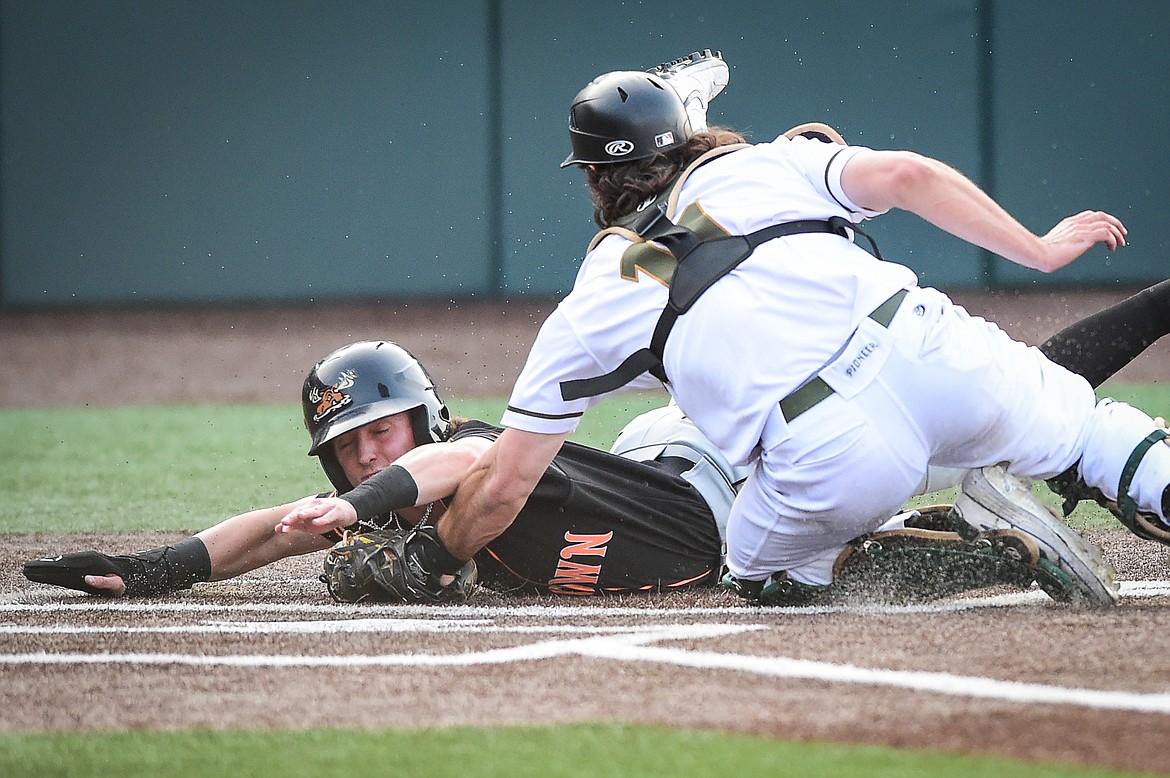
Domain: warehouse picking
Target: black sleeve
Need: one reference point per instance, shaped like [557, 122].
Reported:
[1100, 345]
[477, 429]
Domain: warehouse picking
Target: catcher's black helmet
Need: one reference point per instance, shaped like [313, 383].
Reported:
[363, 382]
[623, 116]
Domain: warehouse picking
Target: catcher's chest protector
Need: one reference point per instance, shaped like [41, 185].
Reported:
[600, 523]
[698, 252]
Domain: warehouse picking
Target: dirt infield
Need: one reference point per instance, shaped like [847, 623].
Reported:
[253, 354]
[1009, 674]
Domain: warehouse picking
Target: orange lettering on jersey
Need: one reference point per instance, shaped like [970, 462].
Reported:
[585, 545]
[577, 577]
[574, 578]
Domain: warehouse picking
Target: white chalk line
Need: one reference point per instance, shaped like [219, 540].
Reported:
[1135, 589]
[939, 683]
[528, 652]
[631, 646]
[330, 626]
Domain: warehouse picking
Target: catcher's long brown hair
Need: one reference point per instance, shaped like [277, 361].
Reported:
[618, 189]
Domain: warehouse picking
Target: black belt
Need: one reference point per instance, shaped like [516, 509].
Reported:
[816, 389]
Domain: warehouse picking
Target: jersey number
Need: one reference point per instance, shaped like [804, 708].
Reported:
[658, 263]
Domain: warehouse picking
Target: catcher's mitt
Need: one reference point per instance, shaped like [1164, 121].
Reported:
[390, 566]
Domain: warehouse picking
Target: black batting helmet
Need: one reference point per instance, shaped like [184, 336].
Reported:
[623, 116]
[363, 382]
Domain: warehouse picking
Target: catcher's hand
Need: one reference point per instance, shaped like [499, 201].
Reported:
[391, 566]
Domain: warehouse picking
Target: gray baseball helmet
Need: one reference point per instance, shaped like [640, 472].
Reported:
[623, 116]
[364, 382]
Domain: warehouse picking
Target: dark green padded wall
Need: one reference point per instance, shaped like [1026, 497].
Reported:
[220, 152]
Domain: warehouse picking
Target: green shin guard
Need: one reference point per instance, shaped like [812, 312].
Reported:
[1072, 489]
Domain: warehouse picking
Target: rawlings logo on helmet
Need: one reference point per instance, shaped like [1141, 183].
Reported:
[619, 148]
[334, 397]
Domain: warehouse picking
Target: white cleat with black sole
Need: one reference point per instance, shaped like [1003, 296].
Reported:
[1071, 569]
[697, 78]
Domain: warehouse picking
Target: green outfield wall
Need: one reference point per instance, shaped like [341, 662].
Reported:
[220, 152]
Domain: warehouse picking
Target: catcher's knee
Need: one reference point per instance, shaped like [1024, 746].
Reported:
[1072, 487]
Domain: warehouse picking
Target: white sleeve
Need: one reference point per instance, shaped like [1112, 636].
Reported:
[536, 404]
[822, 164]
[833, 181]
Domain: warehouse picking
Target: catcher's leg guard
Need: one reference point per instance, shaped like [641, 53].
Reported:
[908, 565]
[1070, 569]
[1072, 489]
[666, 435]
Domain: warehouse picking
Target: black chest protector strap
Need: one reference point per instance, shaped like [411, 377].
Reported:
[700, 264]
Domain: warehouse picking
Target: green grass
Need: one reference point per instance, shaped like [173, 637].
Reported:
[610, 750]
[154, 467]
[186, 467]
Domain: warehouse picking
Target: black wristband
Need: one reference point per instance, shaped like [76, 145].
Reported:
[389, 490]
[165, 569]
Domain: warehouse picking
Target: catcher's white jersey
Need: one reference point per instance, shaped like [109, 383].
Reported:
[755, 335]
[932, 386]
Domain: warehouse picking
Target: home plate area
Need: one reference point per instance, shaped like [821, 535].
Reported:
[526, 634]
[1011, 673]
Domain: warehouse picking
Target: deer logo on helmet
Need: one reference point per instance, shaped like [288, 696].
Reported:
[334, 397]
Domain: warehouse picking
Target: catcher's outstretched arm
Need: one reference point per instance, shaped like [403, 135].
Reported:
[936, 192]
[495, 490]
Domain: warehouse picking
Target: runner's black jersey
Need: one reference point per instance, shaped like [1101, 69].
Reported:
[599, 523]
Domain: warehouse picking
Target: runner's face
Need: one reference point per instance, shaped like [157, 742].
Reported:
[368, 449]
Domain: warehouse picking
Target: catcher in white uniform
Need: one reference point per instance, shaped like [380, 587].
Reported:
[797, 351]
[822, 364]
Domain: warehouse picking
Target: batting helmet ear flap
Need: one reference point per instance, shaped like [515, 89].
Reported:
[333, 469]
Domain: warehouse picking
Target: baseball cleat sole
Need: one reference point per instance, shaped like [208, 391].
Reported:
[1071, 568]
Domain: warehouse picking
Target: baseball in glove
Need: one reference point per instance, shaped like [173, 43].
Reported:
[392, 566]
